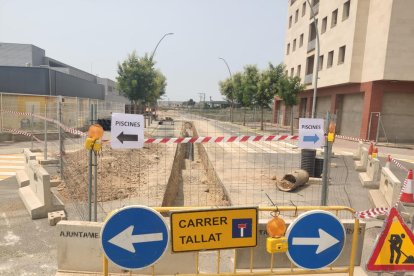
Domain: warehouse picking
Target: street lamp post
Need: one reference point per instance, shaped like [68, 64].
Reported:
[315, 84]
[232, 92]
[153, 53]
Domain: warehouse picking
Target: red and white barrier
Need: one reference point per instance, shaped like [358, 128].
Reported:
[219, 139]
[21, 132]
[372, 213]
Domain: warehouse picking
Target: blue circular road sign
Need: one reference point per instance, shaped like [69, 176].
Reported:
[315, 239]
[135, 237]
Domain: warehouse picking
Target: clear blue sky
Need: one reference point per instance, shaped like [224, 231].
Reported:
[102, 32]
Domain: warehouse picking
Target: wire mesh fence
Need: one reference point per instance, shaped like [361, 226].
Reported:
[243, 170]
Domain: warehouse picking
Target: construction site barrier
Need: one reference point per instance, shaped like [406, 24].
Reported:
[350, 254]
[371, 177]
[361, 165]
[358, 153]
[36, 193]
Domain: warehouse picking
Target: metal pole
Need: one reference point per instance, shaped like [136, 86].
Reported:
[325, 181]
[315, 88]
[31, 127]
[90, 172]
[369, 126]
[153, 53]
[45, 134]
[232, 92]
[378, 127]
[60, 136]
[95, 173]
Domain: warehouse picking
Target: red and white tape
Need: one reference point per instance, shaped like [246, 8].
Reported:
[398, 164]
[21, 132]
[372, 213]
[220, 139]
[351, 138]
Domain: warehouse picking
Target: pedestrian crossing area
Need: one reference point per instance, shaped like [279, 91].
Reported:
[11, 163]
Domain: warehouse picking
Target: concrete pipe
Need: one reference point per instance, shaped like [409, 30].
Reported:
[292, 181]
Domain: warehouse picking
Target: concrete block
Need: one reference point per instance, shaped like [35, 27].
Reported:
[37, 196]
[80, 240]
[390, 186]
[22, 179]
[357, 154]
[261, 259]
[55, 183]
[377, 199]
[361, 165]
[55, 217]
[371, 177]
[49, 162]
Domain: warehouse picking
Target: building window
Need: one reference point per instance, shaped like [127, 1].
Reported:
[303, 9]
[296, 15]
[341, 55]
[298, 71]
[309, 65]
[324, 24]
[294, 45]
[330, 59]
[301, 41]
[288, 49]
[320, 65]
[334, 19]
[312, 31]
[290, 21]
[292, 71]
[345, 12]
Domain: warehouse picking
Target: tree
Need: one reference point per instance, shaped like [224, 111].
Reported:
[249, 87]
[139, 81]
[288, 90]
[227, 90]
[268, 87]
[191, 102]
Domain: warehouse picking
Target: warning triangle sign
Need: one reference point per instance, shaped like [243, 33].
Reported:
[394, 250]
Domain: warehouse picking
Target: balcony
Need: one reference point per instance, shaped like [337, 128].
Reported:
[309, 78]
[311, 45]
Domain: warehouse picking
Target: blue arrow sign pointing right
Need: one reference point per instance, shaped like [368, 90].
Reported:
[312, 138]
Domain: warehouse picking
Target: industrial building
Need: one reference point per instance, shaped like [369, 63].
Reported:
[25, 69]
[366, 68]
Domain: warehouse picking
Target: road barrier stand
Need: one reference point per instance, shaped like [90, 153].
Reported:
[204, 227]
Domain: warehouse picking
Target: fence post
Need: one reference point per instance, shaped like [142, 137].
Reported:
[90, 171]
[45, 134]
[378, 127]
[95, 164]
[59, 116]
[326, 155]
[31, 128]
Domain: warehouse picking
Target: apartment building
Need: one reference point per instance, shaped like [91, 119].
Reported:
[366, 65]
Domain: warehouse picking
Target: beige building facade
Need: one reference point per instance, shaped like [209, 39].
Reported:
[366, 65]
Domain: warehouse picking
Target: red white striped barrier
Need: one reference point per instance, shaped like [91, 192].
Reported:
[351, 138]
[21, 132]
[398, 164]
[372, 213]
[219, 139]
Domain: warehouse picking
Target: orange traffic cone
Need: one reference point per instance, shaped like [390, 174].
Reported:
[407, 194]
[375, 153]
[388, 162]
[370, 149]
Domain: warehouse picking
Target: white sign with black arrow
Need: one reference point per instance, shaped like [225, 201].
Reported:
[127, 131]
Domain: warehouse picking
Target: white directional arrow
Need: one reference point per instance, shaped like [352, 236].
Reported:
[324, 241]
[126, 240]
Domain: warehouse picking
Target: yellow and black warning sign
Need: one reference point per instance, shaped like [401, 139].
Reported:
[394, 250]
[213, 229]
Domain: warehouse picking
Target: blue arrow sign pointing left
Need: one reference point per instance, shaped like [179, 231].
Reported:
[311, 138]
[135, 237]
